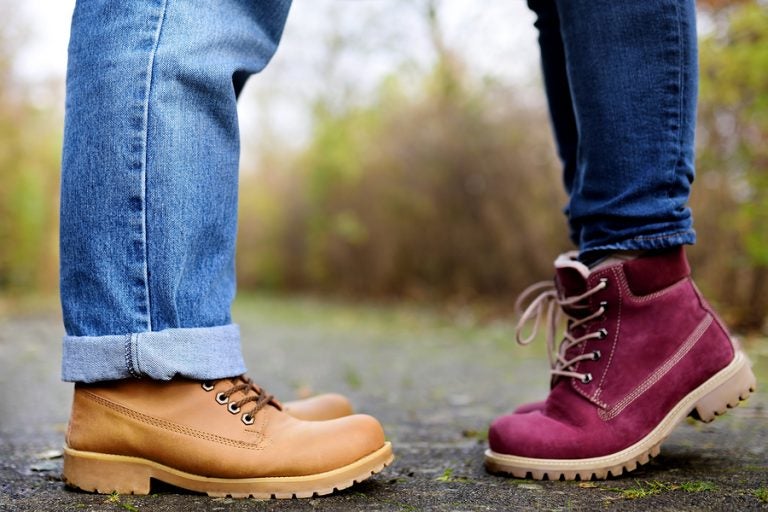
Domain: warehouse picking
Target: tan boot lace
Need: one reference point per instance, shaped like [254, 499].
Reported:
[253, 394]
[549, 307]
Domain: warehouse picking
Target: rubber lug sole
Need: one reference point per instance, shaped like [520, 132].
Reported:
[104, 474]
[725, 390]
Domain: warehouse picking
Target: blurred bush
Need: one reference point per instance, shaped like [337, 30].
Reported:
[29, 176]
[446, 190]
[730, 199]
[450, 191]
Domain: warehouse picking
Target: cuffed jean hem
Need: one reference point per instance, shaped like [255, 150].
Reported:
[645, 243]
[197, 353]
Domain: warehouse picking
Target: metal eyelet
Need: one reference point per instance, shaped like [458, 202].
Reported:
[222, 398]
[233, 408]
[247, 419]
[602, 334]
[587, 378]
[596, 355]
[604, 305]
[604, 280]
[208, 386]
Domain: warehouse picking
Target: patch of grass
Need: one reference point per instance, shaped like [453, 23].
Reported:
[654, 487]
[114, 497]
[480, 435]
[697, 486]
[448, 476]
[643, 490]
[352, 378]
[761, 494]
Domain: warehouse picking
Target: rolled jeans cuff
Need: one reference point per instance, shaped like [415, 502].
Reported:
[201, 353]
[664, 240]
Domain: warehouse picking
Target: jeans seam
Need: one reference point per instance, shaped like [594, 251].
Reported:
[144, 144]
[681, 100]
[674, 234]
[129, 349]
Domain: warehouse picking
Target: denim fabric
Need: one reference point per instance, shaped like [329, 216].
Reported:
[149, 183]
[151, 149]
[621, 81]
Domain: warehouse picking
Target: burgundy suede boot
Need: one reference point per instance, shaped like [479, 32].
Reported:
[642, 350]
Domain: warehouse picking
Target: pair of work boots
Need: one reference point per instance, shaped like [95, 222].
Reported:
[642, 350]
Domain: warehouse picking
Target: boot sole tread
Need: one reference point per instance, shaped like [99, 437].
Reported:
[725, 390]
[105, 473]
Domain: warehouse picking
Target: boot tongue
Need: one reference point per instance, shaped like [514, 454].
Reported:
[571, 275]
[571, 280]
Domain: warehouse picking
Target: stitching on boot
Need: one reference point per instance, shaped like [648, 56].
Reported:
[174, 427]
[660, 372]
[263, 441]
[644, 298]
[618, 275]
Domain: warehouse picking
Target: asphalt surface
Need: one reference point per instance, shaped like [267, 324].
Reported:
[434, 380]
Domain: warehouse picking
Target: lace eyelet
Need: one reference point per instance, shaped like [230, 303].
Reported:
[603, 333]
[604, 280]
[222, 399]
[247, 419]
[587, 378]
[208, 386]
[596, 355]
[233, 408]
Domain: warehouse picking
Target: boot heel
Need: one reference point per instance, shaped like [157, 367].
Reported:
[104, 474]
[727, 395]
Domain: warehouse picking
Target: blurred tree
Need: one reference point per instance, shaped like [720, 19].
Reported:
[732, 202]
[29, 161]
[719, 5]
[446, 190]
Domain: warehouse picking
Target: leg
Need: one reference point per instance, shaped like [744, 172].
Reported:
[149, 185]
[642, 348]
[149, 203]
[632, 70]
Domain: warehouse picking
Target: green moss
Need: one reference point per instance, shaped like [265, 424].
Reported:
[448, 476]
[696, 486]
[352, 378]
[480, 435]
[646, 488]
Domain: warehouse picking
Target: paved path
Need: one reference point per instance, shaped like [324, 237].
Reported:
[434, 380]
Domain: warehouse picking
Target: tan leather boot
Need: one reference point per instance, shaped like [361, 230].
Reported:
[328, 406]
[228, 438]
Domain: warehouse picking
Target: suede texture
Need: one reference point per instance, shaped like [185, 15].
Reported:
[661, 345]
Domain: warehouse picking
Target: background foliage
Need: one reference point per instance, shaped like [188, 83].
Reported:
[438, 186]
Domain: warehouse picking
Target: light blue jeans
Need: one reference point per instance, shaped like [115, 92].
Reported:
[149, 183]
[151, 149]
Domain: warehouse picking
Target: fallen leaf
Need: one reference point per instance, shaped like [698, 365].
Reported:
[49, 454]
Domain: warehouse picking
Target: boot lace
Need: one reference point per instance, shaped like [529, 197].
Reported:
[549, 308]
[253, 394]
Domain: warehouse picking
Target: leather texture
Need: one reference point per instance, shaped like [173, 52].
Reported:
[323, 407]
[181, 425]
